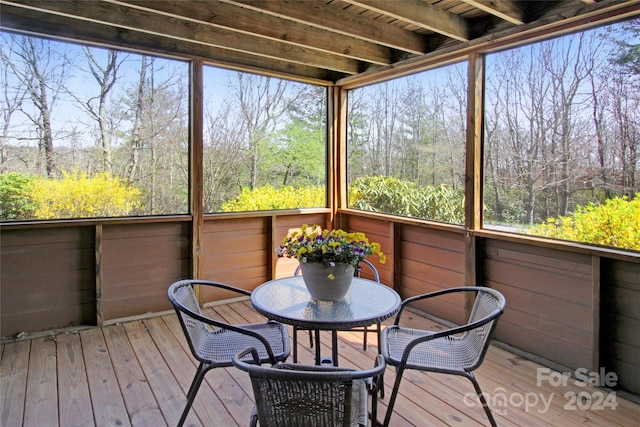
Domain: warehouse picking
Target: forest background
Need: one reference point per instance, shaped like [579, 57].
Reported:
[91, 132]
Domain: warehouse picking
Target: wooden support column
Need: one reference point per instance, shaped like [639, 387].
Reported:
[337, 179]
[473, 173]
[196, 168]
[272, 260]
[395, 230]
[99, 282]
[596, 308]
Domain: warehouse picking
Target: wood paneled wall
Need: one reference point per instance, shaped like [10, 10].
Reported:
[620, 322]
[99, 273]
[550, 300]
[137, 264]
[571, 307]
[47, 278]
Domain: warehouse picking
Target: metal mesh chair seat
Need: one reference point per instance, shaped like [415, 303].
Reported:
[220, 345]
[214, 343]
[293, 395]
[446, 353]
[459, 350]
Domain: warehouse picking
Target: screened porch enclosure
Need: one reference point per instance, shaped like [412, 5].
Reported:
[571, 307]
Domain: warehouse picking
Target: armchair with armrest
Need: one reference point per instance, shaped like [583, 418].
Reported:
[294, 395]
[214, 343]
[458, 351]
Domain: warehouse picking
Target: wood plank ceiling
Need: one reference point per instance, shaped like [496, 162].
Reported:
[328, 41]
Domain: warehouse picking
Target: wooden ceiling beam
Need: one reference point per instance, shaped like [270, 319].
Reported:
[314, 13]
[245, 21]
[504, 9]
[29, 21]
[142, 21]
[423, 15]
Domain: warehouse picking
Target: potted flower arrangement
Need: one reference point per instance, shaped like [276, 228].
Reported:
[328, 258]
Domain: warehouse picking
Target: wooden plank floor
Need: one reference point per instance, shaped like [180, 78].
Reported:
[137, 374]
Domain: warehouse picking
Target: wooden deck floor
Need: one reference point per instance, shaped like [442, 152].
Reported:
[137, 374]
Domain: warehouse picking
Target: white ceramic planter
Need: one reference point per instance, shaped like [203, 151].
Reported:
[316, 278]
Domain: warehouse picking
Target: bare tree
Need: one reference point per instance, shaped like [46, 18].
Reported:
[386, 111]
[158, 139]
[138, 108]
[624, 110]
[568, 69]
[223, 147]
[261, 102]
[42, 71]
[12, 99]
[414, 146]
[600, 123]
[106, 76]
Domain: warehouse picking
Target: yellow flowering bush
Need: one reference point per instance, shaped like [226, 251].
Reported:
[77, 195]
[312, 244]
[270, 198]
[614, 223]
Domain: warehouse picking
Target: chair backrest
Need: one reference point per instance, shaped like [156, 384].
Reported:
[185, 303]
[293, 395]
[356, 272]
[488, 307]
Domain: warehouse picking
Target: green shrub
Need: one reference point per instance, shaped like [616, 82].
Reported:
[395, 196]
[78, 195]
[615, 223]
[15, 196]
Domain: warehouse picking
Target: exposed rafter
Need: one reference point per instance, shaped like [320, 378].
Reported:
[326, 41]
[503, 9]
[422, 15]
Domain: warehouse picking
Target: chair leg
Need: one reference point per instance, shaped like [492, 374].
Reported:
[364, 340]
[381, 385]
[485, 405]
[379, 331]
[394, 394]
[295, 344]
[254, 418]
[193, 390]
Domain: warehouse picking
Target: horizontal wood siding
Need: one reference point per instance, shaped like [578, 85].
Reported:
[284, 226]
[433, 259]
[620, 322]
[139, 262]
[47, 278]
[376, 231]
[549, 300]
[235, 252]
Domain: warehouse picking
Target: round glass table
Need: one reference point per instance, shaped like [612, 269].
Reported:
[288, 301]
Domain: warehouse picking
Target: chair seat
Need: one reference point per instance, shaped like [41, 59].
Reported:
[441, 354]
[218, 346]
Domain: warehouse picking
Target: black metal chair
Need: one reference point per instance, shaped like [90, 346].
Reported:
[364, 330]
[458, 351]
[294, 395]
[214, 343]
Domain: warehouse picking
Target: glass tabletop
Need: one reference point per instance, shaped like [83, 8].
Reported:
[288, 301]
